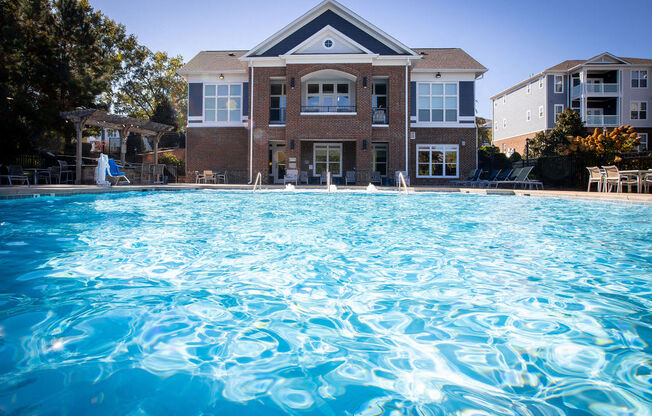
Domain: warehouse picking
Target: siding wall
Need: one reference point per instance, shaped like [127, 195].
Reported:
[514, 111]
[635, 94]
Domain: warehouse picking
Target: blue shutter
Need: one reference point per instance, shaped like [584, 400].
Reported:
[195, 99]
[245, 99]
[467, 98]
[413, 99]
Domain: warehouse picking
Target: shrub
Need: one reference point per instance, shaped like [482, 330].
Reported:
[515, 157]
[170, 159]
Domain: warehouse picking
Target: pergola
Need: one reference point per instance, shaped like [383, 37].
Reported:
[82, 117]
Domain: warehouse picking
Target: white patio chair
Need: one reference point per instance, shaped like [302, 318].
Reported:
[614, 177]
[595, 176]
[291, 175]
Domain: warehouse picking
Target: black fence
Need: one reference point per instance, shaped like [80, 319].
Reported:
[570, 171]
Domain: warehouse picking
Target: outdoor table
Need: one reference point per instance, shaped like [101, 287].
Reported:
[36, 172]
[640, 174]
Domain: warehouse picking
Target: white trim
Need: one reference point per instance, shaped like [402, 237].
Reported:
[563, 107]
[554, 83]
[341, 11]
[327, 28]
[328, 146]
[251, 130]
[430, 148]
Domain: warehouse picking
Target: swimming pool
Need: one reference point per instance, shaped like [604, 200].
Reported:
[214, 302]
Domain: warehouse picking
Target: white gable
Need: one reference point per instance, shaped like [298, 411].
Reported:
[329, 41]
[606, 58]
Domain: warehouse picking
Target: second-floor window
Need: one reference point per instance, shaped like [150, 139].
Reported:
[540, 111]
[528, 115]
[639, 79]
[223, 102]
[328, 97]
[559, 108]
[639, 110]
[277, 103]
[379, 101]
[559, 84]
[437, 102]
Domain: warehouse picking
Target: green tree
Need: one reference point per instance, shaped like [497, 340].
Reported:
[569, 124]
[485, 133]
[150, 87]
[55, 55]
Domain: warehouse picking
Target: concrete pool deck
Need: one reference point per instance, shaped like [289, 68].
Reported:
[34, 191]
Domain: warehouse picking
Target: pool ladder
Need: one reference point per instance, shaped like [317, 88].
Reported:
[401, 182]
[328, 181]
[259, 182]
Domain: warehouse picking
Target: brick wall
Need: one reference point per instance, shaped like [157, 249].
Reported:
[178, 152]
[219, 149]
[515, 142]
[467, 152]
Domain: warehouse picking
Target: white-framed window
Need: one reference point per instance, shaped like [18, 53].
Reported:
[504, 148]
[437, 160]
[528, 115]
[540, 111]
[528, 88]
[327, 157]
[223, 103]
[504, 123]
[559, 84]
[559, 108]
[638, 110]
[328, 43]
[437, 102]
[541, 82]
[379, 158]
[639, 79]
[643, 144]
[328, 97]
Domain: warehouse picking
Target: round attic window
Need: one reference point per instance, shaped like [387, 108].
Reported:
[328, 44]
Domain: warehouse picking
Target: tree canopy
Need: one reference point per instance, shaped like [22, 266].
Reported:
[56, 55]
[568, 124]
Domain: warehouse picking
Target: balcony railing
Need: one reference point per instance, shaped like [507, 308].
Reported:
[379, 116]
[594, 89]
[327, 109]
[606, 120]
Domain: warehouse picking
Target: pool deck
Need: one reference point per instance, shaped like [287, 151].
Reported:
[34, 191]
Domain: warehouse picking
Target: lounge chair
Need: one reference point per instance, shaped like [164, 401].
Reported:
[490, 178]
[350, 177]
[16, 174]
[303, 177]
[473, 174]
[595, 176]
[472, 179]
[614, 177]
[291, 175]
[376, 177]
[114, 172]
[517, 175]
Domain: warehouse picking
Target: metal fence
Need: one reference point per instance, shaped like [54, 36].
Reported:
[570, 171]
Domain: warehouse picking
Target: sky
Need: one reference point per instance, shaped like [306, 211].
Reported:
[513, 39]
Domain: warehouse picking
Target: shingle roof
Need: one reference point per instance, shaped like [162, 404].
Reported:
[215, 61]
[431, 58]
[571, 63]
[446, 58]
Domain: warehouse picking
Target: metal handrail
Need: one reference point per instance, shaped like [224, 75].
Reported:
[259, 182]
[327, 109]
[328, 181]
[401, 181]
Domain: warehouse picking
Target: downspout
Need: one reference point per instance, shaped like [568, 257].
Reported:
[251, 127]
[407, 117]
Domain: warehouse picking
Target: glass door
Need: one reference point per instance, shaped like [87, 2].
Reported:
[380, 158]
[279, 162]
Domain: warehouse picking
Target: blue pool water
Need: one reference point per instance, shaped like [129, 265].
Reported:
[202, 303]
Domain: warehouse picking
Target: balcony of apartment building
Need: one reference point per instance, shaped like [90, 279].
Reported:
[602, 112]
[595, 83]
[328, 92]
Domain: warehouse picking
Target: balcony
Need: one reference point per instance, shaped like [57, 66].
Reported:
[379, 116]
[328, 109]
[277, 116]
[595, 89]
[602, 120]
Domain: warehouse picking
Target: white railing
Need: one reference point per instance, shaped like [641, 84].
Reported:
[328, 181]
[259, 182]
[402, 183]
[597, 120]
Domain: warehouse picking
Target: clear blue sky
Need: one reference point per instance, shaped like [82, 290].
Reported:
[512, 38]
